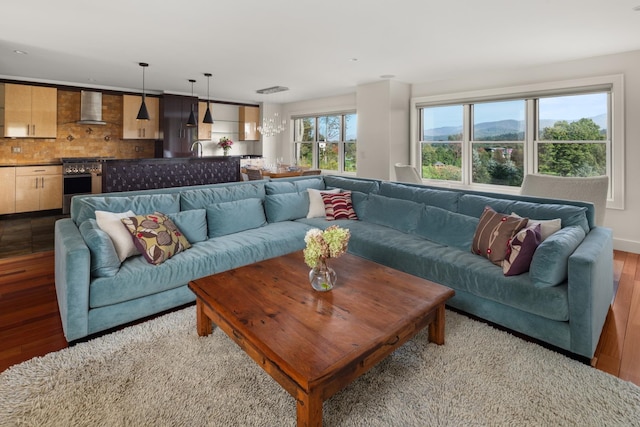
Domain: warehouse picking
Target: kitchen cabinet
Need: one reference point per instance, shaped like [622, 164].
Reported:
[38, 188]
[177, 136]
[30, 111]
[248, 127]
[133, 128]
[7, 190]
[204, 129]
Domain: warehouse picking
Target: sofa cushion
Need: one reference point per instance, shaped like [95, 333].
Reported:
[316, 204]
[493, 234]
[280, 187]
[193, 224]
[447, 228]
[84, 208]
[521, 249]
[316, 183]
[353, 184]
[156, 237]
[110, 223]
[549, 266]
[201, 198]
[547, 227]
[338, 206]
[104, 259]
[403, 215]
[286, 206]
[232, 217]
[473, 205]
[444, 199]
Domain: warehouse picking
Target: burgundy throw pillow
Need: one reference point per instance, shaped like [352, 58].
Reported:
[493, 234]
[521, 249]
[338, 206]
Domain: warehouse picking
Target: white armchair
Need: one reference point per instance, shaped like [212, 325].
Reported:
[407, 173]
[592, 189]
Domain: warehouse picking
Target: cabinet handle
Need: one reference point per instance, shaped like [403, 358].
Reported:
[36, 183]
[28, 130]
[144, 132]
[34, 130]
[42, 182]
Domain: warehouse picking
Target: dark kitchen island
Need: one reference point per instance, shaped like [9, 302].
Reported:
[145, 174]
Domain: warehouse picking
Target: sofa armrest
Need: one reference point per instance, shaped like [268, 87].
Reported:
[72, 267]
[590, 289]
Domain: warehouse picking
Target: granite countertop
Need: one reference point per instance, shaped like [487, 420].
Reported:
[55, 162]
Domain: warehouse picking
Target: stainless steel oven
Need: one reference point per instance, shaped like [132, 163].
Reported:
[80, 176]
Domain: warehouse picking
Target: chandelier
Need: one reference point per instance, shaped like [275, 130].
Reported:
[272, 124]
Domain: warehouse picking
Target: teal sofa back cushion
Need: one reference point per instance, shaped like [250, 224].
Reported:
[447, 228]
[104, 259]
[201, 198]
[353, 184]
[433, 197]
[286, 206]
[549, 266]
[400, 214]
[569, 215]
[193, 224]
[83, 208]
[297, 184]
[233, 217]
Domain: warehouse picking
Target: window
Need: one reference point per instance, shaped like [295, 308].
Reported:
[326, 142]
[496, 137]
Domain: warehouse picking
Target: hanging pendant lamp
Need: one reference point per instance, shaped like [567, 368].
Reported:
[208, 118]
[143, 113]
[192, 117]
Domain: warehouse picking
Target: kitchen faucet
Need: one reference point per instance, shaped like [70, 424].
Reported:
[198, 146]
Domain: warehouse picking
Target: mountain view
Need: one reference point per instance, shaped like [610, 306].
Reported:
[509, 129]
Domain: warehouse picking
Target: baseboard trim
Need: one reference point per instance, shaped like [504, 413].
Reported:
[626, 245]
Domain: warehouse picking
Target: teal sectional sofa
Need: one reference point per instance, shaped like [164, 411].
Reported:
[426, 231]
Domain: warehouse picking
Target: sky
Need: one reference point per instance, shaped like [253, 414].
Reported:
[568, 108]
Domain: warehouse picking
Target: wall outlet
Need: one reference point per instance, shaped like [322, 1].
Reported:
[139, 149]
[16, 149]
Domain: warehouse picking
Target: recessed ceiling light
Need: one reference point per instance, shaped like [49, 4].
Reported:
[20, 52]
[353, 59]
[387, 76]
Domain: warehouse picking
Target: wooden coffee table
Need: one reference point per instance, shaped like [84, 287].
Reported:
[316, 343]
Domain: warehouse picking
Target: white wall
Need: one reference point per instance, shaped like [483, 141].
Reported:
[373, 100]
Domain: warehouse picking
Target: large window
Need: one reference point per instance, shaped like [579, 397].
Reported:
[495, 139]
[326, 142]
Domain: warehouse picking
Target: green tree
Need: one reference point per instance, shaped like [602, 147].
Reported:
[572, 159]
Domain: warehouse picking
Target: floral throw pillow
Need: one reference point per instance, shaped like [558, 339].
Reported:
[493, 234]
[521, 249]
[338, 206]
[156, 236]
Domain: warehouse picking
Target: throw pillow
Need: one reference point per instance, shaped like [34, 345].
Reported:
[104, 259]
[156, 236]
[521, 249]
[493, 234]
[547, 226]
[110, 223]
[316, 205]
[233, 217]
[338, 206]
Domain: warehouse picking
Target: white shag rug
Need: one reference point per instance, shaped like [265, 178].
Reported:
[160, 373]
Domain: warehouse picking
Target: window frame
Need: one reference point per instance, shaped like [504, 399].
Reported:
[614, 84]
[316, 142]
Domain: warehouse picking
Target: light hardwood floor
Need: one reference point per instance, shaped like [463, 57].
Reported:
[30, 323]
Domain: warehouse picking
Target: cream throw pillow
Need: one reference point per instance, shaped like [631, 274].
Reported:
[547, 227]
[110, 223]
[316, 204]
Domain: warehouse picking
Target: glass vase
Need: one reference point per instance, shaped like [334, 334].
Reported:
[322, 277]
[226, 151]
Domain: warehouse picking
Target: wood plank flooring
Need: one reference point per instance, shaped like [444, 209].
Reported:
[30, 322]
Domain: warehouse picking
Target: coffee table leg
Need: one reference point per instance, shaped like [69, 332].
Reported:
[436, 328]
[203, 323]
[309, 410]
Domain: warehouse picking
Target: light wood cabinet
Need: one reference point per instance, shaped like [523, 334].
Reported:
[133, 128]
[7, 190]
[38, 188]
[204, 129]
[248, 127]
[30, 111]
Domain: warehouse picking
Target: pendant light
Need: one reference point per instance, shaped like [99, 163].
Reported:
[143, 113]
[207, 115]
[192, 117]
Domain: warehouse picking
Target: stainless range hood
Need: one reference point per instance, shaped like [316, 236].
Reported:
[91, 108]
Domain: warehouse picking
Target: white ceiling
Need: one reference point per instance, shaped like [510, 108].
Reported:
[307, 46]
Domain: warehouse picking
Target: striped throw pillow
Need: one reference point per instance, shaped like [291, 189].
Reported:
[338, 206]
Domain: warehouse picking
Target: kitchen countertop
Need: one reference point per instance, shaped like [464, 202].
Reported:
[30, 164]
